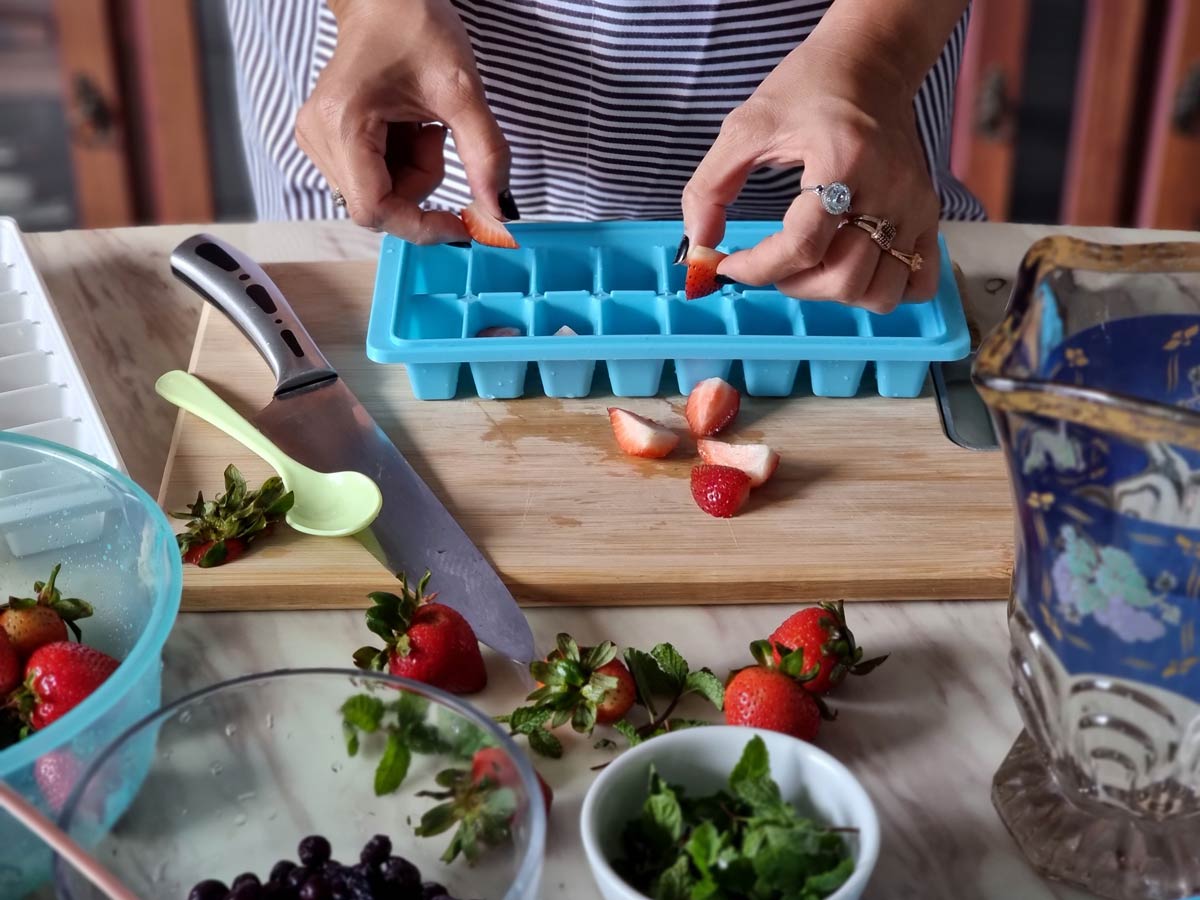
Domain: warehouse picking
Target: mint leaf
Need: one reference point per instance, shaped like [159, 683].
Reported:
[754, 764]
[528, 718]
[676, 882]
[363, 712]
[825, 883]
[648, 677]
[704, 847]
[673, 667]
[707, 685]
[393, 765]
[545, 744]
[661, 814]
[628, 731]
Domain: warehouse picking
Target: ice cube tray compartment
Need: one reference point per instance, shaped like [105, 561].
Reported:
[616, 286]
[44, 394]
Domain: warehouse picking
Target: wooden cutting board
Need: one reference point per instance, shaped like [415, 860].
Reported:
[872, 501]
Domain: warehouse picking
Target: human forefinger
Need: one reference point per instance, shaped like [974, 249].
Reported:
[718, 180]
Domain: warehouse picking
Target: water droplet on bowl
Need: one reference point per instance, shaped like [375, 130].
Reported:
[335, 767]
[249, 795]
[216, 768]
[239, 819]
[230, 730]
[270, 720]
[185, 716]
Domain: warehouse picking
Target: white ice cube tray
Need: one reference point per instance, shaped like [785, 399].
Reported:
[43, 394]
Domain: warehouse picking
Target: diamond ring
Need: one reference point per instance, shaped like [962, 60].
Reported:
[338, 199]
[835, 196]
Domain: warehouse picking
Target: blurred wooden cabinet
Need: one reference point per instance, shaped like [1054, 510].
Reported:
[106, 122]
[1122, 145]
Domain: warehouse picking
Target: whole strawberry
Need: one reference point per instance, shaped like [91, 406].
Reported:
[479, 804]
[10, 665]
[44, 618]
[58, 677]
[56, 774]
[772, 696]
[219, 531]
[425, 641]
[497, 767]
[585, 687]
[821, 632]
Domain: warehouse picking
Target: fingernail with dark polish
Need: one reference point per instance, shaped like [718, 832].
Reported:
[508, 206]
[682, 252]
[724, 279]
[465, 245]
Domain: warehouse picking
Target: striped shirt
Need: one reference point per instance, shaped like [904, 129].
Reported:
[608, 105]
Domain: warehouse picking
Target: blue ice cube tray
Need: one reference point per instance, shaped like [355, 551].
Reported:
[614, 283]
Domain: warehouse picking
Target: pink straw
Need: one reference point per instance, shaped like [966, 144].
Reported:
[25, 813]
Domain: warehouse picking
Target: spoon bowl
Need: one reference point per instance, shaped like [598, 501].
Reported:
[327, 504]
[332, 505]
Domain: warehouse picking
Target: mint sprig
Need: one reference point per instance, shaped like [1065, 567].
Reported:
[663, 678]
[742, 843]
[399, 729]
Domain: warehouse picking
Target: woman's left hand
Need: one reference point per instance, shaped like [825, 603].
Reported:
[845, 120]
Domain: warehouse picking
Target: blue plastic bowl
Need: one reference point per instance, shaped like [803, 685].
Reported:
[117, 551]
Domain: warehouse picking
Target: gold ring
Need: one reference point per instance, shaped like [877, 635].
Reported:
[882, 231]
[912, 260]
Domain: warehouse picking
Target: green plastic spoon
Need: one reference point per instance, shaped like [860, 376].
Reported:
[333, 504]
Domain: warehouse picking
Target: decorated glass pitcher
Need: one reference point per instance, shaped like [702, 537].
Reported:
[1093, 382]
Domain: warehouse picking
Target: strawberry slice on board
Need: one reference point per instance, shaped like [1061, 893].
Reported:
[702, 278]
[711, 406]
[757, 460]
[639, 436]
[721, 491]
[484, 228]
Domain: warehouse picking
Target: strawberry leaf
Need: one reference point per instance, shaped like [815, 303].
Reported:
[869, 665]
[600, 655]
[567, 647]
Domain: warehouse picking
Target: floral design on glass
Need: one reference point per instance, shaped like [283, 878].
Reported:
[1105, 583]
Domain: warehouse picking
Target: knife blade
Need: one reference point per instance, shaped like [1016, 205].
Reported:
[317, 419]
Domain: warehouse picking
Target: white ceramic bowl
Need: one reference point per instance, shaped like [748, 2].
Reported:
[700, 759]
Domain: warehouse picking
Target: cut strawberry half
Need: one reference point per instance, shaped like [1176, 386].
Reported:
[639, 436]
[711, 406]
[485, 228]
[500, 331]
[720, 491]
[757, 460]
[702, 278]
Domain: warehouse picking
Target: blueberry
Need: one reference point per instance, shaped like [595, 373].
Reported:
[210, 889]
[314, 850]
[247, 890]
[376, 850]
[359, 886]
[296, 878]
[245, 878]
[280, 872]
[431, 889]
[402, 877]
[316, 888]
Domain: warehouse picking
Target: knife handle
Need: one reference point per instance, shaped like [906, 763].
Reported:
[237, 285]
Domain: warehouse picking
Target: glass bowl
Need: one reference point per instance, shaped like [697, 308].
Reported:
[242, 771]
[117, 551]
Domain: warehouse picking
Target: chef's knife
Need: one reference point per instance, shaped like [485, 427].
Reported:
[317, 419]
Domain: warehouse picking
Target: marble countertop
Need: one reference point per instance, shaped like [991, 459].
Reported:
[924, 734]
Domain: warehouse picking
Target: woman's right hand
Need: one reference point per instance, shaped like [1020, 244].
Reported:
[398, 68]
